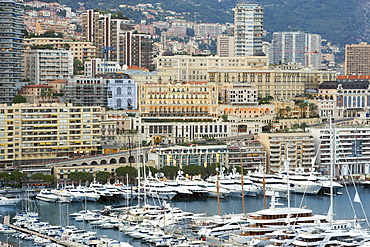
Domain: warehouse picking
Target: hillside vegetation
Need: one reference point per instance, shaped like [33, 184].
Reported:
[340, 21]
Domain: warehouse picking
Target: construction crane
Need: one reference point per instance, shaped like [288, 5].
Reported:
[105, 51]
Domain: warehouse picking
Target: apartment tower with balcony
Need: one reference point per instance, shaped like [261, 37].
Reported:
[248, 29]
[11, 48]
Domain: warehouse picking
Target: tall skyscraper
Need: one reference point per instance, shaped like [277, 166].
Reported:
[248, 29]
[11, 48]
[297, 47]
[357, 61]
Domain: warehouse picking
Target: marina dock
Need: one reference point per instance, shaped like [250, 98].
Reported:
[58, 241]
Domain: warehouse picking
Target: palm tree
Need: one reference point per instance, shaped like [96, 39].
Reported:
[288, 109]
[312, 107]
[302, 106]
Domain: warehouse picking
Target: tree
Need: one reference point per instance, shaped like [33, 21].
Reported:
[49, 179]
[170, 171]
[193, 170]
[19, 99]
[190, 32]
[18, 177]
[38, 176]
[225, 118]
[80, 176]
[78, 67]
[210, 170]
[312, 107]
[103, 177]
[4, 177]
[48, 93]
[288, 109]
[303, 106]
[303, 126]
[126, 171]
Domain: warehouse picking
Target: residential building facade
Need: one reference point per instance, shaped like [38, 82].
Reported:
[298, 147]
[82, 50]
[251, 155]
[297, 47]
[225, 46]
[45, 132]
[350, 145]
[11, 48]
[44, 65]
[248, 29]
[178, 98]
[357, 59]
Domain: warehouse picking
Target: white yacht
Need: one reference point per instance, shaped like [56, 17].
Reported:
[152, 187]
[270, 183]
[63, 196]
[89, 194]
[331, 237]
[251, 188]
[77, 194]
[101, 190]
[188, 184]
[211, 189]
[225, 182]
[300, 183]
[9, 201]
[46, 195]
[175, 186]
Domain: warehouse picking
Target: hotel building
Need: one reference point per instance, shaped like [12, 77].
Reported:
[343, 99]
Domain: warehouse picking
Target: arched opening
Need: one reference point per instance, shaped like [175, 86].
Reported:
[94, 163]
[103, 162]
[113, 161]
[84, 164]
[122, 160]
[131, 159]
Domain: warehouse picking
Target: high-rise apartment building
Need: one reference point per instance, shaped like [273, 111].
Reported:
[137, 49]
[357, 60]
[297, 47]
[248, 29]
[225, 46]
[115, 41]
[31, 133]
[44, 65]
[11, 48]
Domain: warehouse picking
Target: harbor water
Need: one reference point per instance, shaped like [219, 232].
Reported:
[58, 214]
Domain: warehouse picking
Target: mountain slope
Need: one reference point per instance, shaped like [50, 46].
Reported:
[340, 21]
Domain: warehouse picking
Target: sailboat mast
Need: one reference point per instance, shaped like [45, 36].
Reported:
[332, 158]
[218, 193]
[242, 178]
[287, 176]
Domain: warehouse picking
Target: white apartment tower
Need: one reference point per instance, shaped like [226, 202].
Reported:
[248, 29]
[297, 47]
